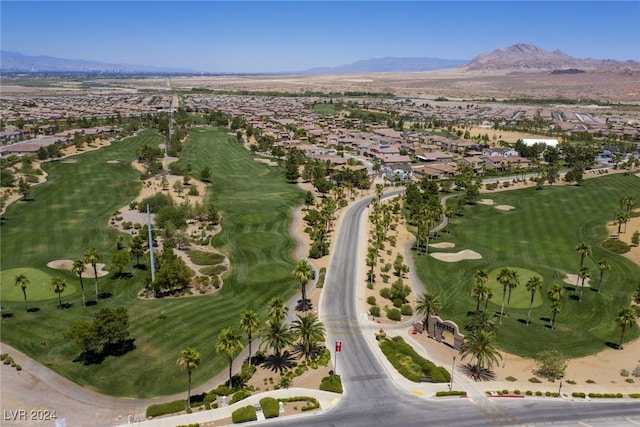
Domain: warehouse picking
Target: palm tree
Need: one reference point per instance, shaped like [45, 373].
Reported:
[504, 278]
[309, 330]
[626, 318]
[57, 285]
[534, 284]
[603, 265]
[631, 202]
[480, 280]
[514, 282]
[584, 250]
[583, 274]
[277, 309]
[481, 347]
[482, 321]
[22, 281]
[372, 257]
[276, 335]
[79, 268]
[229, 343]
[188, 361]
[249, 323]
[92, 256]
[302, 273]
[555, 294]
[427, 304]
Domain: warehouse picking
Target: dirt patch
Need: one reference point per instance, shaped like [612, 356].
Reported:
[486, 202]
[113, 161]
[67, 264]
[266, 162]
[457, 256]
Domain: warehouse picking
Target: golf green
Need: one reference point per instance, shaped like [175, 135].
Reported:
[38, 288]
[520, 297]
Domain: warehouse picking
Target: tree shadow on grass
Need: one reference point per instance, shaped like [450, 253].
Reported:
[33, 309]
[97, 357]
[523, 321]
[7, 315]
[66, 305]
[91, 303]
[105, 295]
[124, 275]
[279, 363]
[612, 345]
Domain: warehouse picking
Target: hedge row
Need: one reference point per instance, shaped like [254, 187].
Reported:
[312, 402]
[270, 407]
[451, 393]
[166, 408]
[396, 350]
[244, 414]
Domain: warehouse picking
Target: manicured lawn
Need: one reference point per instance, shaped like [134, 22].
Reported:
[541, 235]
[66, 217]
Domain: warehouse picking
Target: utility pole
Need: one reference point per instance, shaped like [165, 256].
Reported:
[153, 264]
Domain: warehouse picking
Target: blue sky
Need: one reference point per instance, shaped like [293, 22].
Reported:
[268, 36]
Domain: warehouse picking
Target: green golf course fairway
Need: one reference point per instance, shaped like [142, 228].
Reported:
[70, 213]
[38, 288]
[520, 297]
[541, 236]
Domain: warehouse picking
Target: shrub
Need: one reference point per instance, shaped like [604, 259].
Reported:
[222, 390]
[374, 310]
[371, 300]
[590, 382]
[624, 372]
[409, 363]
[394, 314]
[244, 414]
[247, 371]
[516, 392]
[634, 395]
[406, 310]
[385, 293]
[629, 380]
[397, 303]
[538, 393]
[534, 380]
[450, 393]
[270, 407]
[511, 379]
[528, 393]
[239, 395]
[578, 394]
[616, 246]
[166, 408]
[636, 371]
[331, 383]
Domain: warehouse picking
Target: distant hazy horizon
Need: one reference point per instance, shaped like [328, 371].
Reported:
[268, 36]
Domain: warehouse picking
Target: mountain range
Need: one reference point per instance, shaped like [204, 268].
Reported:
[516, 58]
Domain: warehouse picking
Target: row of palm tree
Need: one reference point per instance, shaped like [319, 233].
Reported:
[275, 335]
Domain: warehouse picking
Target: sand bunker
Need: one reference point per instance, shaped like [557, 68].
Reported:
[505, 207]
[69, 161]
[572, 279]
[113, 161]
[443, 245]
[67, 264]
[457, 256]
[267, 162]
[486, 202]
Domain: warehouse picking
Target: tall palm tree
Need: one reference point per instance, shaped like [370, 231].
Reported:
[555, 294]
[22, 281]
[626, 318]
[302, 273]
[309, 330]
[583, 274]
[482, 321]
[188, 361]
[276, 335]
[92, 256]
[504, 278]
[57, 285]
[514, 282]
[630, 203]
[79, 268]
[584, 250]
[277, 309]
[603, 265]
[534, 284]
[229, 343]
[480, 280]
[249, 323]
[481, 346]
[427, 304]
[372, 257]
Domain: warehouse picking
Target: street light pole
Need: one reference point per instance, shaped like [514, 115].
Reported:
[453, 369]
[560, 388]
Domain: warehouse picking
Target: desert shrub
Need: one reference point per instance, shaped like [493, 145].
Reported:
[528, 393]
[394, 314]
[397, 303]
[636, 372]
[244, 414]
[321, 276]
[385, 293]
[222, 390]
[247, 371]
[126, 225]
[166, 408]
[324, 357]
[406, 310]
[572, 382]
[331, 383]
[270, 407]
[624, 372]
[590, 382]
[511, 379]
[239, 395]
[634, 395]
[374, 310]
[578, 394]
[505, 391]
[629, 380]
[371, 300]
[538, 393]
